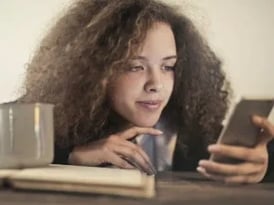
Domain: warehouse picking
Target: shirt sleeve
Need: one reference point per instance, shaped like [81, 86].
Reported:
[61, 154]
[269, 176]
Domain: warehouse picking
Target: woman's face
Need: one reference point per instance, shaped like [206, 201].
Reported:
[140, 94]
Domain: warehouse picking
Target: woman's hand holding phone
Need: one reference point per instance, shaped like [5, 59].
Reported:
[253, 162]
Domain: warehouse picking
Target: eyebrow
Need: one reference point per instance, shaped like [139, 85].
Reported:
[145, 58]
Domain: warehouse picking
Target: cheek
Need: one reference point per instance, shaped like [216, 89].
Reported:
[169, 83]
[122, 90]
[129, 85]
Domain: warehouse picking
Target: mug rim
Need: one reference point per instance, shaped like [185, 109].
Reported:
[39, 104]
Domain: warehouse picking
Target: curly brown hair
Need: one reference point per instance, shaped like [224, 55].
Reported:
[93, 41]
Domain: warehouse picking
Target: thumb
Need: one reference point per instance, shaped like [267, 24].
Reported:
[267, 129]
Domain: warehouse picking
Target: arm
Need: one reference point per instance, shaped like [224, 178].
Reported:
[61, 154]
[115, 149]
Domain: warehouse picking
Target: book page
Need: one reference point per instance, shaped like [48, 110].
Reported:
[83, 175]
[4, 173]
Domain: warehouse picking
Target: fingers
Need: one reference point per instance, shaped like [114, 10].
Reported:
[242, 179]
[135, 154]
[118, 161]
[267, 127]
[230, 169]
[136, 148]
[215, 177]
[235, 179]
[255, 159]
[237, 152]
[134, 157]
[134, 131]
[251, 170]
[130, 152]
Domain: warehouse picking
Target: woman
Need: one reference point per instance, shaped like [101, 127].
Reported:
[116, 71]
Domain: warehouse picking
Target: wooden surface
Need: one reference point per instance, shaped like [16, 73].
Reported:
[172, 188]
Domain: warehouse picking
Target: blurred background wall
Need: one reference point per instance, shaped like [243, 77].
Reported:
[241, 32]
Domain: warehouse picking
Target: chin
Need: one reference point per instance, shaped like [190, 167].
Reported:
[146, 123]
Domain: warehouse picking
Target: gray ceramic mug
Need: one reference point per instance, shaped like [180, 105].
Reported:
[26, 135]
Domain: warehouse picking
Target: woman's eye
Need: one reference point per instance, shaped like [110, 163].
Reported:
[169, 68]
[136, 68]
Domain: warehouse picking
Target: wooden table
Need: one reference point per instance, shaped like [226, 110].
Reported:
[172, 188]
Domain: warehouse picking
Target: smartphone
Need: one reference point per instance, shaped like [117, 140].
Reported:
[238, 128]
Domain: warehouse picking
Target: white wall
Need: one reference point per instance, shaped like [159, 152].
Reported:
[22, 25]
[240, 31]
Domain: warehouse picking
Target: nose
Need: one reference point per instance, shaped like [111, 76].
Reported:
[154, 82]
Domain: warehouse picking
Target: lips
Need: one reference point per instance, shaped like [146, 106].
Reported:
[150, 104]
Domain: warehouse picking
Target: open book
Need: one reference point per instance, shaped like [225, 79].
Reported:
[67, 178]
